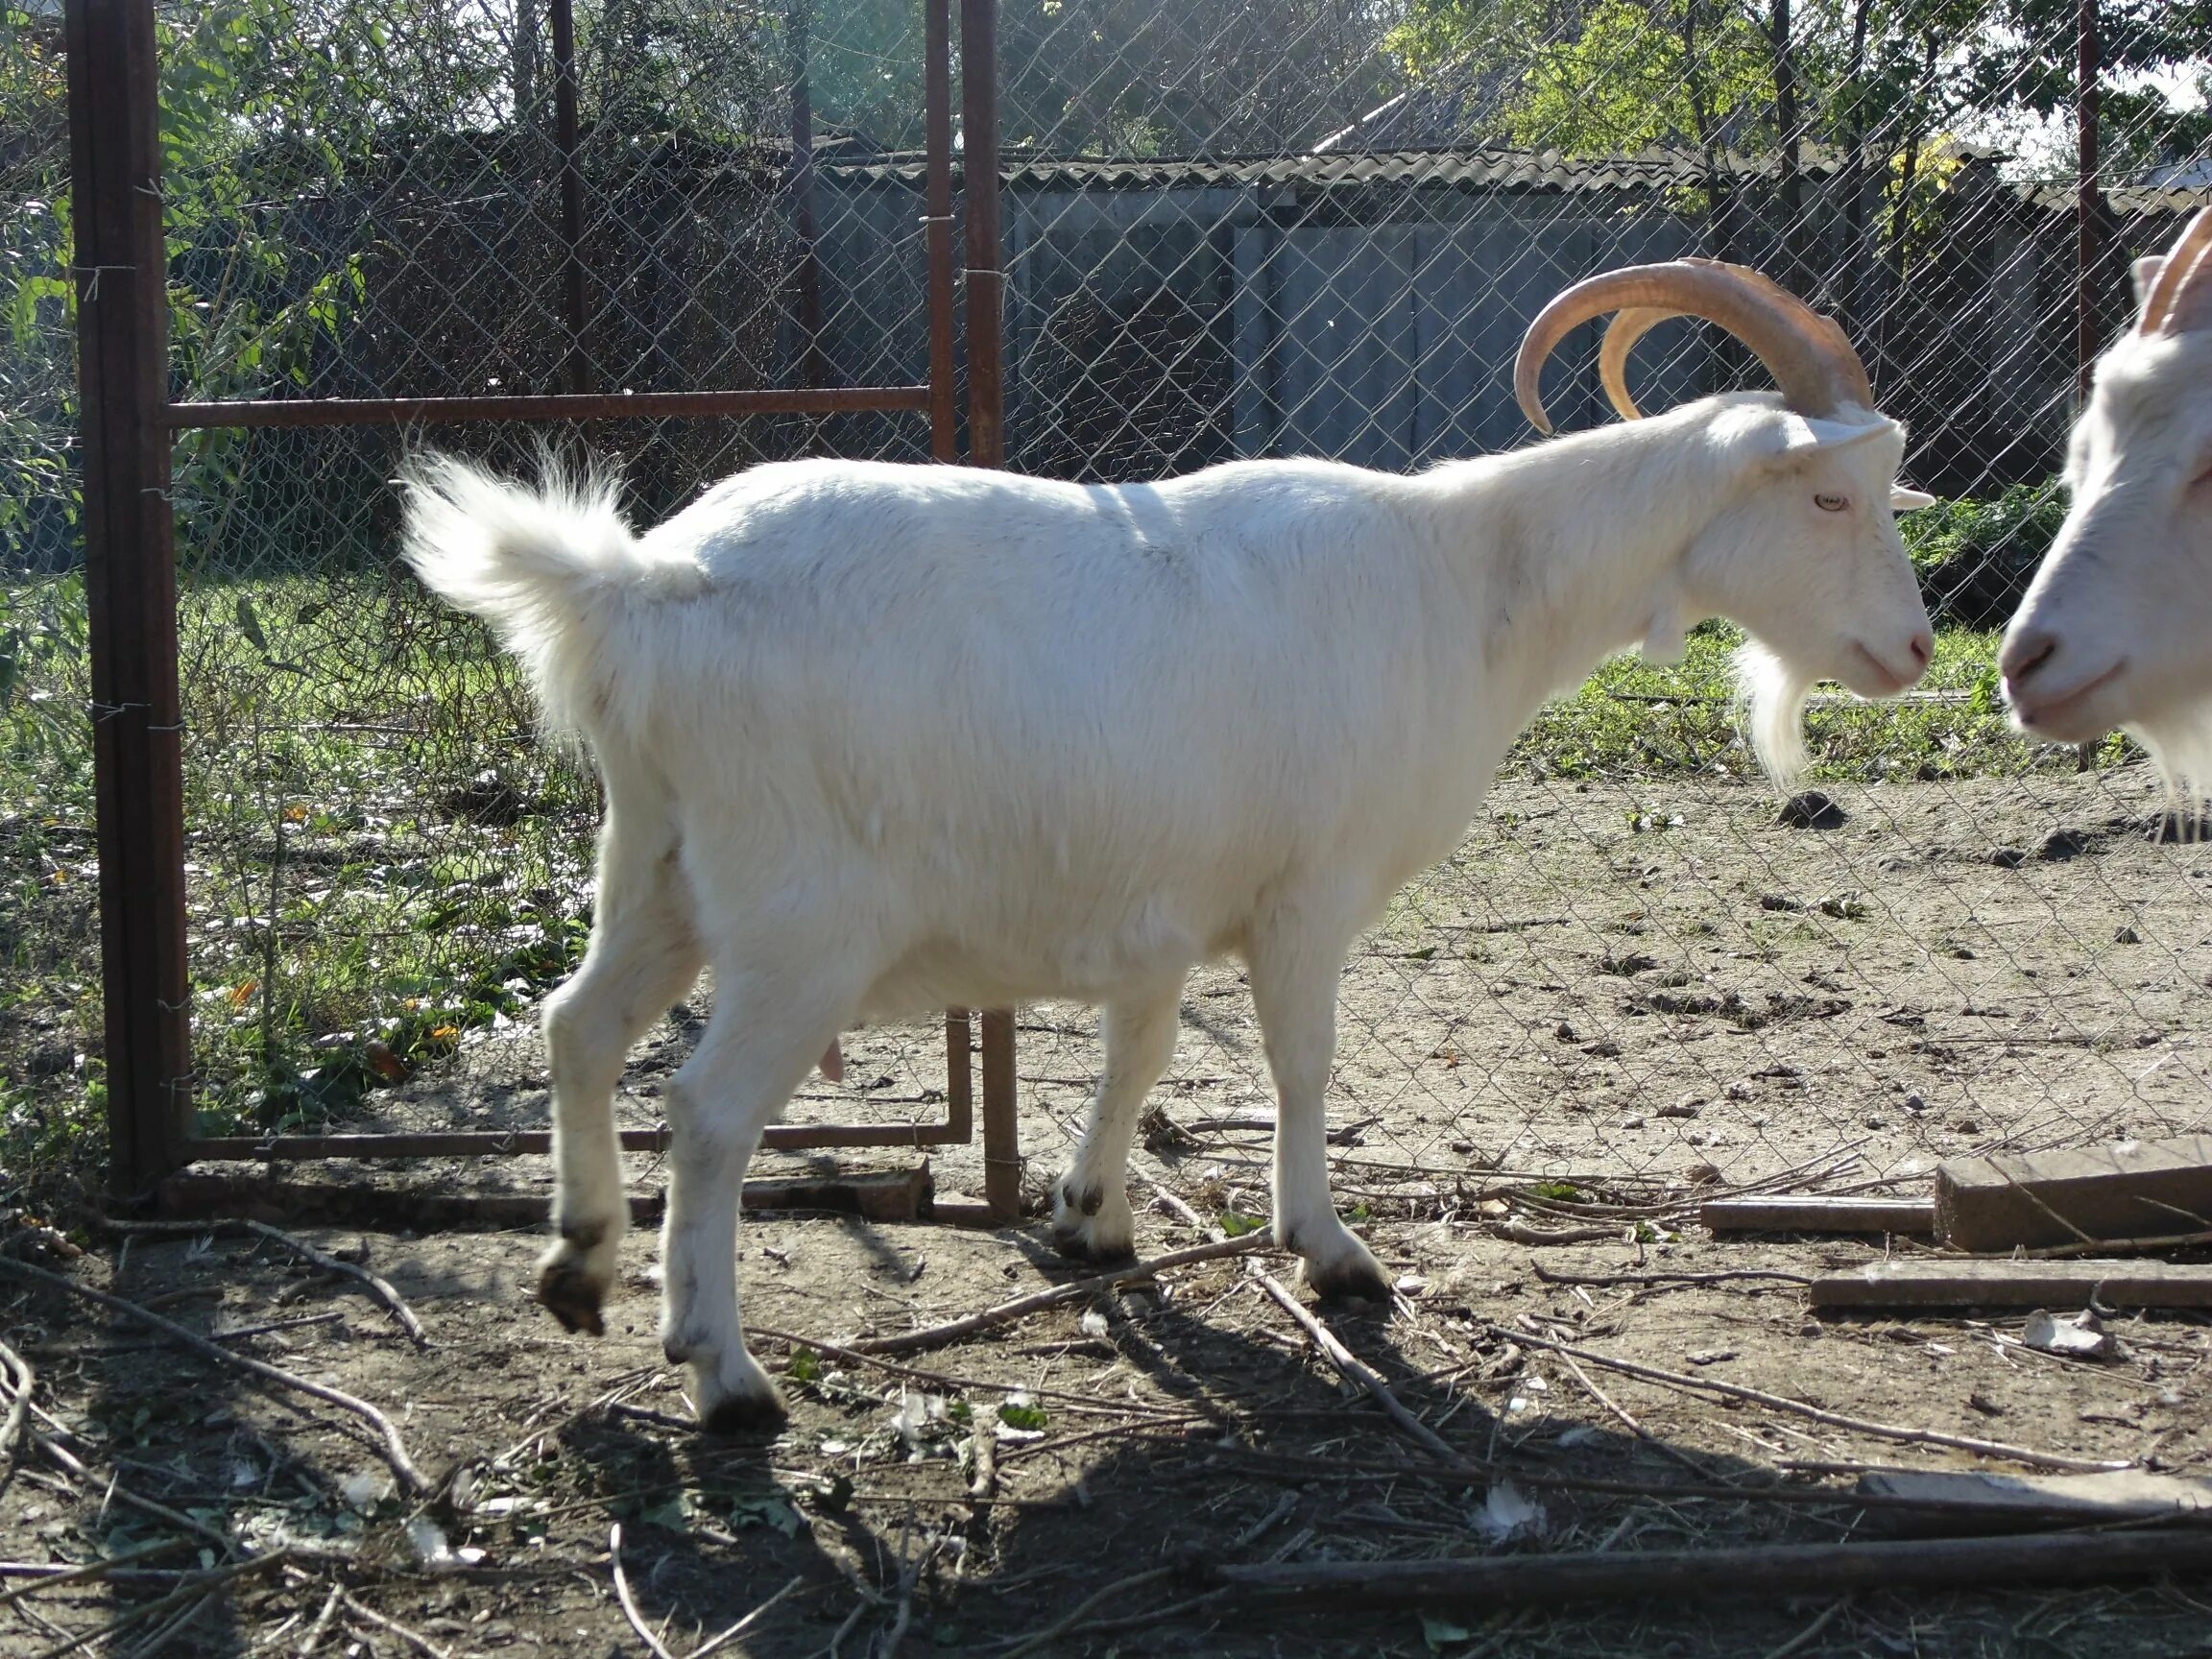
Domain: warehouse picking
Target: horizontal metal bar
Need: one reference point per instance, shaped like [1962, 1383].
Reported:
[495, 1144]
[589, 406]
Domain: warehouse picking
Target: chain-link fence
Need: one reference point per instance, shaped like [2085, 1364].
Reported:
[1304, 228]
[1295, 226]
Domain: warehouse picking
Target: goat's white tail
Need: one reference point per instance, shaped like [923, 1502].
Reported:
[551, 569]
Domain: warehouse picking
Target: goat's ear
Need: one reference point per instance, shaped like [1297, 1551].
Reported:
[1804, 433]
[1904, 500]
[2145, 272]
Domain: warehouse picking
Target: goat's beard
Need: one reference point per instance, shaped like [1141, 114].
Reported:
[2180, 747]
[1771, 698]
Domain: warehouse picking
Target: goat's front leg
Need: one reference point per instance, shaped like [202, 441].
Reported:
[758, 1047]
[1090, 1216]
[1294, 973]
[642, 957]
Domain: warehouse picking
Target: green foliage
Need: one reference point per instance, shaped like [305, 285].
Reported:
[1640, 75]
[1976, 558]
[2019, 526]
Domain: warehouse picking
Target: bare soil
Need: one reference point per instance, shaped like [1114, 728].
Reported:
[1610, 1004]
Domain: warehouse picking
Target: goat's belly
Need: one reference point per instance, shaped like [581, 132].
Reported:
[995, 971]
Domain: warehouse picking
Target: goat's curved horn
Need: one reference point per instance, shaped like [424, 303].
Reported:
[1807, 355]
[2190, 255]
[1622, 334]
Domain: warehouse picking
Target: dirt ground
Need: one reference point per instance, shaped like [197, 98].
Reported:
[1608, 1006]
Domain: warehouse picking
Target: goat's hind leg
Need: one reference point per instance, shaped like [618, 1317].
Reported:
[1092, 1219]
[1294, 973]
[644, 956]
[769, 1028]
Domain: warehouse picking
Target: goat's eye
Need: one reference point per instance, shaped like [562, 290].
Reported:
[1831, 503]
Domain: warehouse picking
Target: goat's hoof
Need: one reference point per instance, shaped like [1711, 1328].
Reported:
[745, 1414]
[573, 1296]
[1078, 1244]
[1092, 1222]
[1350, 1278]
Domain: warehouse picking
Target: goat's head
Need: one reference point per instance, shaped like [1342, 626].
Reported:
[2114, 629]
[1804, 551]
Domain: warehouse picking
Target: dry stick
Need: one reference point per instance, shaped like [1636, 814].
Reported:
[1833, 1419]
[1774, 1273]
[91, 1570]
[378, 1287]
[321, 1625]
[411, 1479]
[938, 1335]
[2101, 1247]
[630, 1611]
[170, 1631]
[986, 1443]
[420, 1642]
[1520, 1233]
[944, 1379]
[1070, 1620]
[747, 1623]
[1634, 1428]
[191, 1590]
[1346, 1361]
[23, 1380]
[1806, 1637]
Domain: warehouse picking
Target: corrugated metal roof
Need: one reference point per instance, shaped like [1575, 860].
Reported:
[1486, 169]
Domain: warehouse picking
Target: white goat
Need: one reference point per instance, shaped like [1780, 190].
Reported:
[2116, 630]
[881, 738]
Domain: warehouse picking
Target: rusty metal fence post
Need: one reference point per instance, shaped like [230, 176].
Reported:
[2087, 238]
[131, 583]
[987, 448]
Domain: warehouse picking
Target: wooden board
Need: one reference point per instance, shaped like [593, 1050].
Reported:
[1934, 1282]
[1968, 1501]
[1817, 1215]
[879, 1195]
[2130, 1190]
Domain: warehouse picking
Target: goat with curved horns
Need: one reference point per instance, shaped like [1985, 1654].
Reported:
[882, 738]
[2116, 629]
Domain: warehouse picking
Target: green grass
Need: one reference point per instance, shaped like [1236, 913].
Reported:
[380, 856]
[1640, 719]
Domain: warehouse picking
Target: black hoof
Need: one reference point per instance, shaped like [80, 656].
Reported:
[568, 1294]
[1076, 1248]
[746, 1414]
[1355, 1281]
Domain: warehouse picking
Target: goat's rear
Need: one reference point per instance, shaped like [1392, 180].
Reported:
[551, 569]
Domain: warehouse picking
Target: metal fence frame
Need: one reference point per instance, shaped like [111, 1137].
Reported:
[130, 422]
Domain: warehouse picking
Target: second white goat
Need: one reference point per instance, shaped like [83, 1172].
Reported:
[2114, 629]
[877, 740]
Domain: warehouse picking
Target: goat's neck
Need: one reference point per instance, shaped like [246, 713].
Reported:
[1578, 547]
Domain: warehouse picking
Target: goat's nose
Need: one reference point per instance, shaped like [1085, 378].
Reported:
[2025, 652]
[1922, 645]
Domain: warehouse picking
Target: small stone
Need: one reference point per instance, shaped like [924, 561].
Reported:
[2126, 936]
[1811, 809]
[1915, 1102]
[1968, 1126]
[1564, 1032]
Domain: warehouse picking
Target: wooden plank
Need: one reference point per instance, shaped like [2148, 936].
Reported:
[1759, 1571]
[1969, 1501]
[1936, 1283]
[879, 1195]
[2130, 1190]
[1817, 1214]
